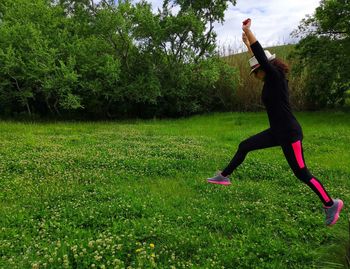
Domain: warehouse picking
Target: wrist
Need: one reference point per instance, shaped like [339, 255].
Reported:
[246, 30]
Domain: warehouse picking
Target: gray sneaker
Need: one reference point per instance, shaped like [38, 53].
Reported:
[219, 179]
[332, 213]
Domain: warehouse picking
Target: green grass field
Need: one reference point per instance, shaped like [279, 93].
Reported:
[133, 194]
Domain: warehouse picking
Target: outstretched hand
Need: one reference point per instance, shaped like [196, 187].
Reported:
[247, 35]
[246, 24]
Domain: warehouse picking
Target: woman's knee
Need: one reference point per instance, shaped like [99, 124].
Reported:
[244, 147]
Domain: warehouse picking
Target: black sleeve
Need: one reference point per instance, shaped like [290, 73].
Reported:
[262, 59]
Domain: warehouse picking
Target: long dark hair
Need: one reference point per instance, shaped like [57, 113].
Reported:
[281, 66]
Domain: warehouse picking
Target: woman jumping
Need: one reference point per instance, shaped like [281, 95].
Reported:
[284, 131]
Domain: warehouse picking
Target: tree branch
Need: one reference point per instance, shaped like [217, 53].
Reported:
[19, 89]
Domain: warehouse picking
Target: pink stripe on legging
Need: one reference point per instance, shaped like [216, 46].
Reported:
[320, 189]
[298, 154]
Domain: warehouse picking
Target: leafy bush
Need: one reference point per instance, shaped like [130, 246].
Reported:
[324, 54]
[110, 59]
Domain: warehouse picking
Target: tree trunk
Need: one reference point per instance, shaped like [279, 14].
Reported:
[55, 107]
[28, 109]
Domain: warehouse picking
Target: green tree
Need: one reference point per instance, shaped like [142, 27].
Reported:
[324, 53]
[111, 59]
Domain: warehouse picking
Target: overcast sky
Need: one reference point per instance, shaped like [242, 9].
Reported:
[272, 20]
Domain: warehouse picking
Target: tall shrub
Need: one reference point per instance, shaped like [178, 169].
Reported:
[323, 53]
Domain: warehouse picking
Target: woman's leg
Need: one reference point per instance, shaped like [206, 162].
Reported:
[295, 157]
[261, 140]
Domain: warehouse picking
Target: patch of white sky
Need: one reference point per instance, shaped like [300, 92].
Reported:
[272, 20]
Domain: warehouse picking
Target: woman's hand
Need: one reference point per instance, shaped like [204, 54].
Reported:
[246, 25]
[247, 36]
[245, 39]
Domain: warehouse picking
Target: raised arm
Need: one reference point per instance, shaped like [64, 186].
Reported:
[247, 32]
[257, 49]
[247, 43]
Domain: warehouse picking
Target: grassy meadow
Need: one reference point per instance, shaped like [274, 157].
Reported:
[133, 194]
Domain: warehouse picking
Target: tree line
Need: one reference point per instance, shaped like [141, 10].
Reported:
[323, 54]
[113, 59]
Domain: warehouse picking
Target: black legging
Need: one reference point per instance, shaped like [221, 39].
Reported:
[293, 153]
